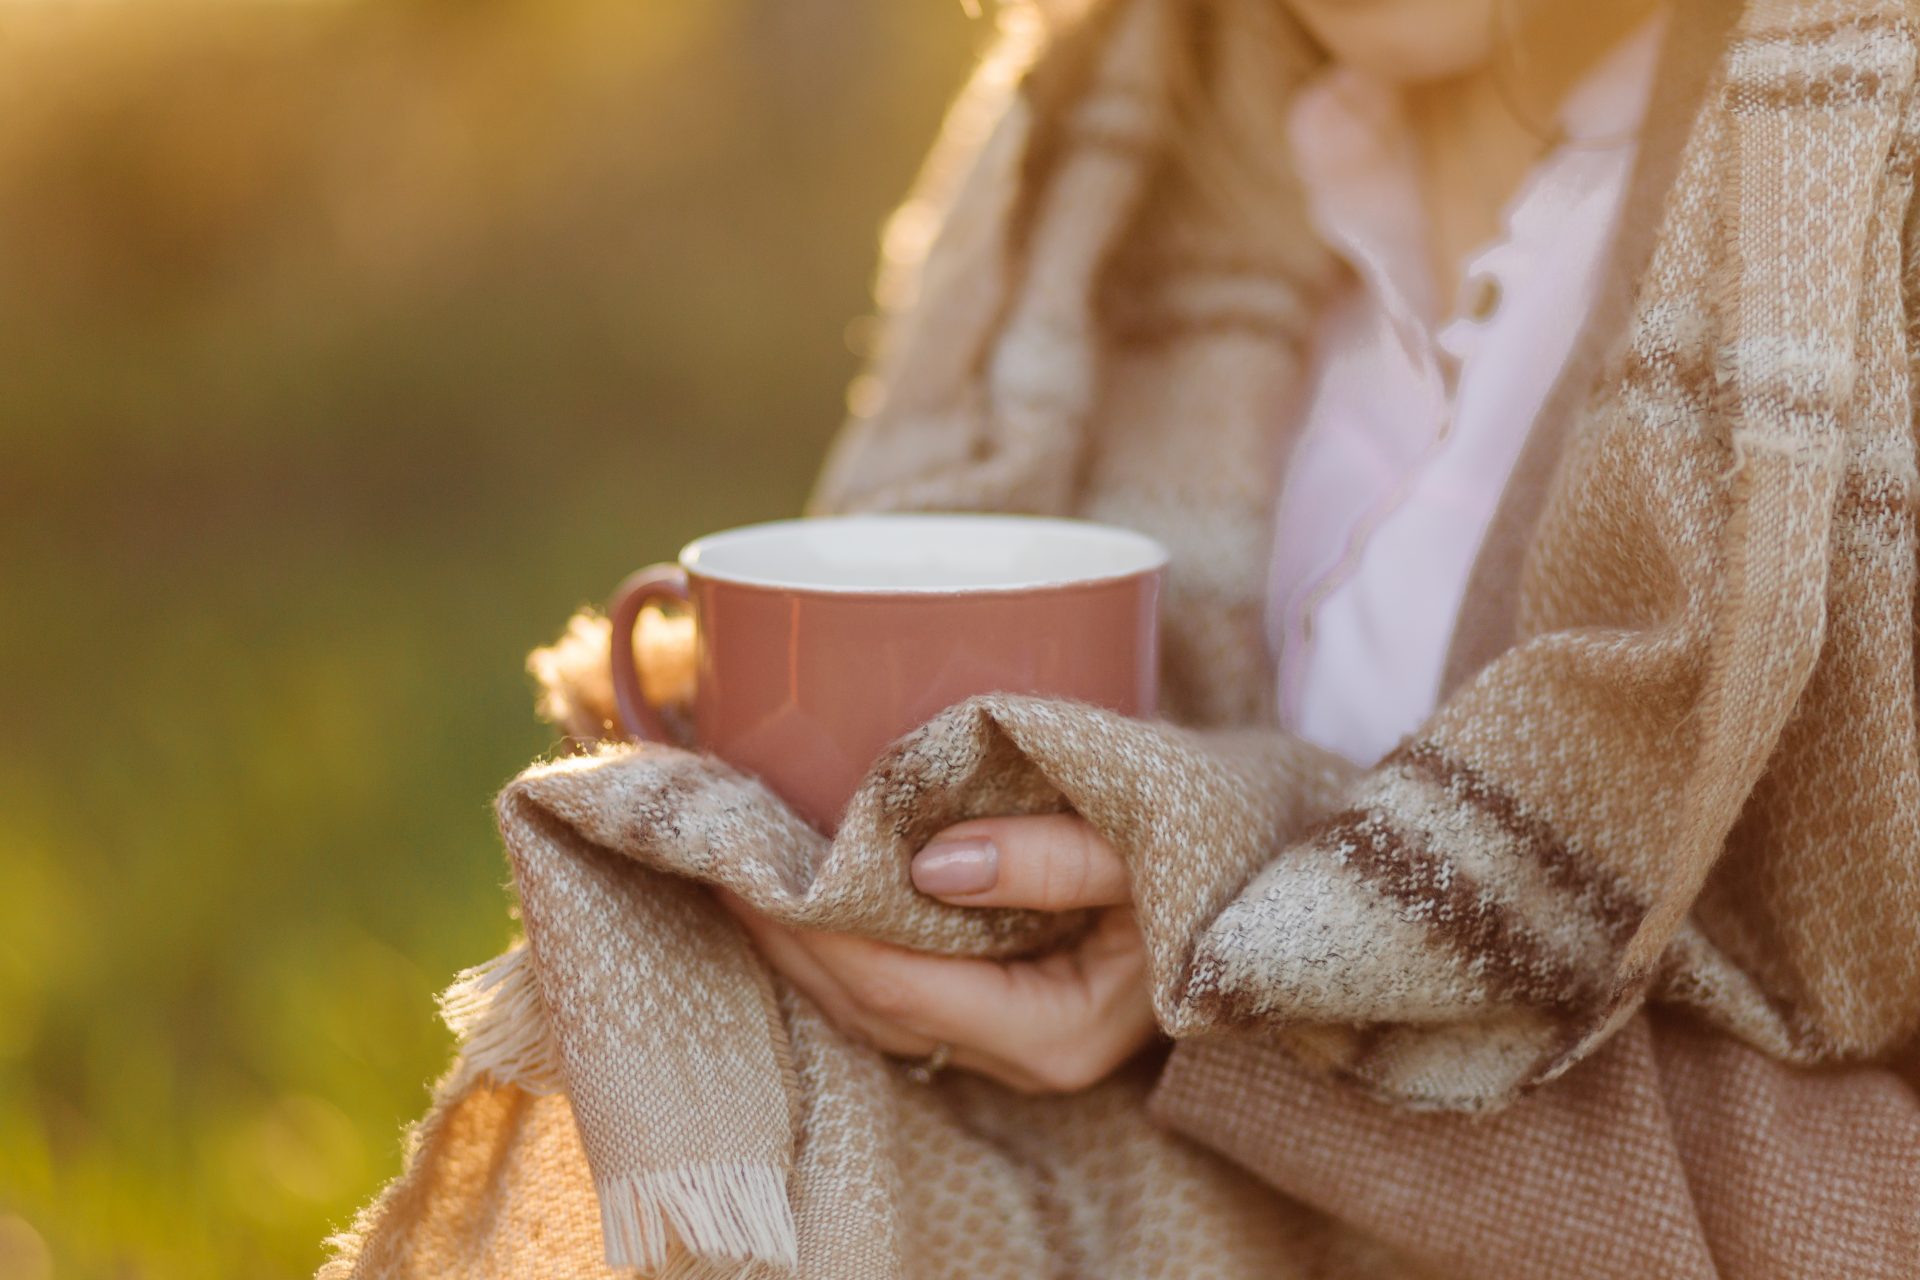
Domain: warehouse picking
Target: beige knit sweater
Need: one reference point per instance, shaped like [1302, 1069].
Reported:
[1679, 773]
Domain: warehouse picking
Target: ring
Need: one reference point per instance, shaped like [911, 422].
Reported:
[923, 1071]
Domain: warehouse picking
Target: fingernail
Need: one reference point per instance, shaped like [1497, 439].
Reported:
[956, 866]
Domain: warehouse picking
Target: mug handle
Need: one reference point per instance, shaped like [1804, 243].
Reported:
[654, 583]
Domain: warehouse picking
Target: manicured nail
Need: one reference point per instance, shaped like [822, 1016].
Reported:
[953, 867]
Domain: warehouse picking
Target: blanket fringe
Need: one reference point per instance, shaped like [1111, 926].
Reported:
[734, 1211]
[498, 1014]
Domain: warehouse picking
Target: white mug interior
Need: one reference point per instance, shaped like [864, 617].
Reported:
[914, 552]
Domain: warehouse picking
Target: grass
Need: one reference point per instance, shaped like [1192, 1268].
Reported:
[349, 347]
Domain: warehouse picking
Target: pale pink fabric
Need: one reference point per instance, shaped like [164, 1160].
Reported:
[1415, 414]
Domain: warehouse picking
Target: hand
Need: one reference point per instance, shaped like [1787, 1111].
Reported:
[1052, 1024]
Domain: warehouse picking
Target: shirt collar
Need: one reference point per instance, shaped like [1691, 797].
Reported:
[1354, 154]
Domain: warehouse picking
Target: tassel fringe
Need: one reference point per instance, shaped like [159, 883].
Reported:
[692, 1222]
[497, 1012]
[738, 1212]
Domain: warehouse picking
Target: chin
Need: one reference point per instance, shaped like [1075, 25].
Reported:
[1403, 40]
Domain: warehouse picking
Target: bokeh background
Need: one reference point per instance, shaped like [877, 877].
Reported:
[345, 347]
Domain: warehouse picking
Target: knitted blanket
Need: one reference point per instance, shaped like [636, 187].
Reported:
[1693, 778]
[717, 1114]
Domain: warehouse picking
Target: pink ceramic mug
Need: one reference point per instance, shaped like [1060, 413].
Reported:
[821, 641]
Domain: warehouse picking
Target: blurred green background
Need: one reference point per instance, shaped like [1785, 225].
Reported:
[344, 349]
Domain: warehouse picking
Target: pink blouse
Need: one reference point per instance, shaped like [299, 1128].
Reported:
[1415, 414]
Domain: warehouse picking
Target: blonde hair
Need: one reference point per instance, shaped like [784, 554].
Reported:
[1221, 76]
[1228, 69]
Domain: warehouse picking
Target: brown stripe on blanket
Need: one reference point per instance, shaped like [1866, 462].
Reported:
[1607, 900]
[1803, 38]
[1461, 913]
[1843, 83]
[1659, 369]
[1878, 499]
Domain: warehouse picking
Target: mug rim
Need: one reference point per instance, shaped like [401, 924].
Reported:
[1153, 556]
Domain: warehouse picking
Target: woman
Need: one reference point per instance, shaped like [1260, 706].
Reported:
[1487, 179]
[1451, 142]
[1524, 392]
